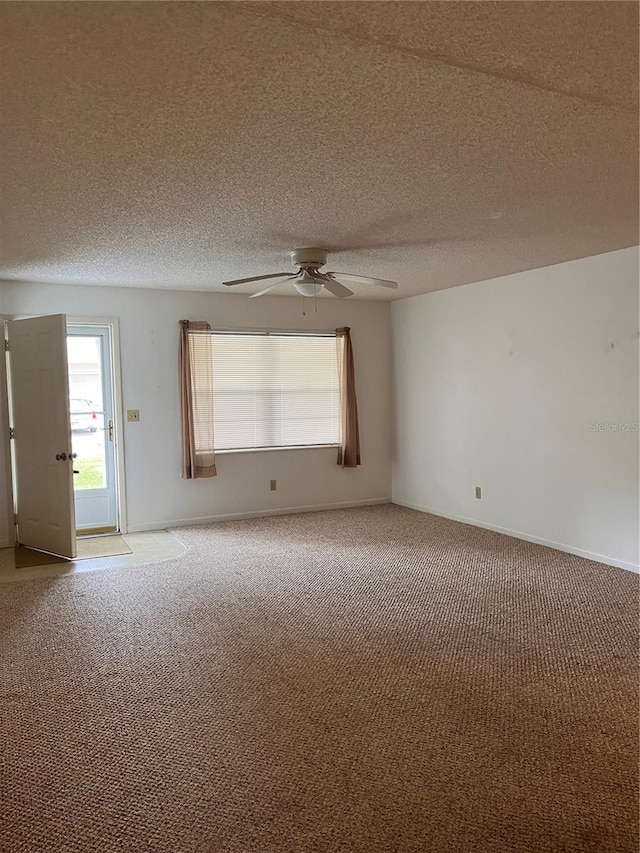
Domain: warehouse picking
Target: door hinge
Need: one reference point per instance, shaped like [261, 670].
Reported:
[12, 432]
[15, 517]
[6, 345]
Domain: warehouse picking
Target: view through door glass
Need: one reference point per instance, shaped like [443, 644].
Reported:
[90, 406]
[87, 410]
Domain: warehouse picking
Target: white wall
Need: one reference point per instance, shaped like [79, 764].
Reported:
[499, 384]
[156, 494]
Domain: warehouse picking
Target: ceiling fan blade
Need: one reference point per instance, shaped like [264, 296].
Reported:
[271, 287]
[256, 278]
[337, 289]
[362, 279]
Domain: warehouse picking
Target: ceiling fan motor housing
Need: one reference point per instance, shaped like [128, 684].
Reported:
[310, 257]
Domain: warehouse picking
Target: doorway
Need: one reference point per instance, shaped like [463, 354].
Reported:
[91, 408]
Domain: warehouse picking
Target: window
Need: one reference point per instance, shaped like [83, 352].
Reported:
[250, 390]
[274, 390]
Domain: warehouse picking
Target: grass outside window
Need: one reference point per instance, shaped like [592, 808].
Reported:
[90, 473]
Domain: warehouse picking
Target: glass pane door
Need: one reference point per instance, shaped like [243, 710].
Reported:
[91, 409]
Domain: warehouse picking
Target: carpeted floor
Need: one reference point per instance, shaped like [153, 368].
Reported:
[357, 681]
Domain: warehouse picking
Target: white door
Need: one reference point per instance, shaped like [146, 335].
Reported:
[92, 427]
[42, 434]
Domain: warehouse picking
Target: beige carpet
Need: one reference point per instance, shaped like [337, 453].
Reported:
[88, 548]
[351, 682]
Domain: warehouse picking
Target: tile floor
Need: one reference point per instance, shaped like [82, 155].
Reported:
[149, 547]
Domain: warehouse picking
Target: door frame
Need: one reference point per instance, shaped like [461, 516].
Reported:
[110, 488]
[118, 419]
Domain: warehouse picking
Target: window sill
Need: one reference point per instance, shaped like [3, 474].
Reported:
[271, 449]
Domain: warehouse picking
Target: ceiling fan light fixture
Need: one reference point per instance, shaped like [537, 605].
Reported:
[307, 288]
[306, 282]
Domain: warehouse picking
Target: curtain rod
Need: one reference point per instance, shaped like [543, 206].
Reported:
[326, 333]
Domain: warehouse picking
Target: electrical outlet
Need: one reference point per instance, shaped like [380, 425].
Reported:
[272, 485]
[133, 415]
[479, 492]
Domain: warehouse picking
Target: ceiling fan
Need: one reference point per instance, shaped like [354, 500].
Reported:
[308, 280]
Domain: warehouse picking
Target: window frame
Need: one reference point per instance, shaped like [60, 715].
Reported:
[297, 333]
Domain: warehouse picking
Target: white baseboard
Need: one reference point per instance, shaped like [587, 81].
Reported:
[234, 516]
[518, 534]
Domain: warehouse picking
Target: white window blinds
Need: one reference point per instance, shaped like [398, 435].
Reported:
[273, 390]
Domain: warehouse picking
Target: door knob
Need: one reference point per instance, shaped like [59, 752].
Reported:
[73, 456]
[61, 457]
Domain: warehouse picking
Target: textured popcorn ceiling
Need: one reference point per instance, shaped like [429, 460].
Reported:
[179, 144]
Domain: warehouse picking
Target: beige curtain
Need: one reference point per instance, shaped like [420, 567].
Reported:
[349, 452]
[196, 399]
